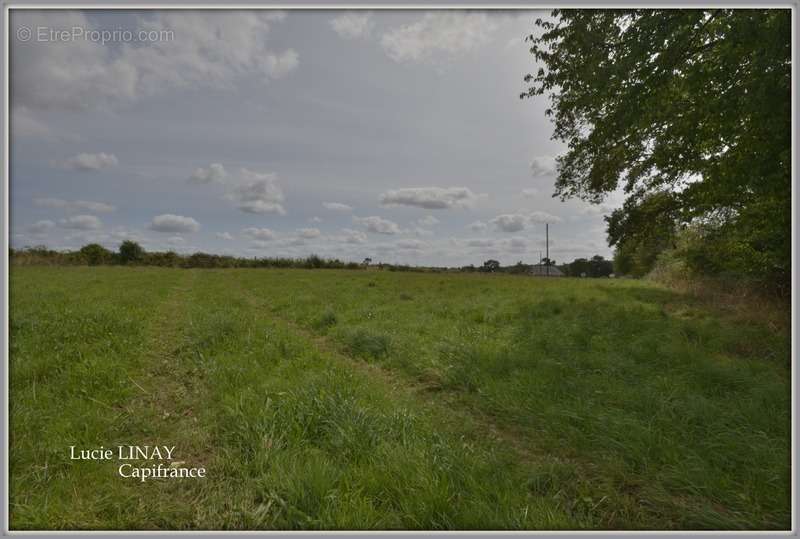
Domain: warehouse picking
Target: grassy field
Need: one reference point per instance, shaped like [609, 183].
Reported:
[378, 400]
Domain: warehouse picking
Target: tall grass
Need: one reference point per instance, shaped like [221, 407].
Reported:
[424, 401]
[669, 409]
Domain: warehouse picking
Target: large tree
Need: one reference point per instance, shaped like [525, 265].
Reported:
[688, 110]
[95, 254]
[131, 252]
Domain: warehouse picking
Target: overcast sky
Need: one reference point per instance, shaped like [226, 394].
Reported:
[394, 135]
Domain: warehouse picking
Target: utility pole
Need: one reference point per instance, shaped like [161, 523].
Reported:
[547, 246]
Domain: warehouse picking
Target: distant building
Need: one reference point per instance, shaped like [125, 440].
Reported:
[540, 270]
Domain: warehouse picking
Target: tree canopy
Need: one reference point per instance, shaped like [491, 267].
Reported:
[597, 266]
[491, 265]
[689, 111]
[130, 252]
[95, 254]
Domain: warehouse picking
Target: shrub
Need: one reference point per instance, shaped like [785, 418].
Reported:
[130, 252]
[365, 343]
[95, 254]
[325, 320]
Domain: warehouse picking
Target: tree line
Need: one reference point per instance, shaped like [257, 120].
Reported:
[688, 111]
[132, 254]
[597, 266]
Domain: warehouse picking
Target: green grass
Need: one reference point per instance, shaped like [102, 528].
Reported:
[379, 400]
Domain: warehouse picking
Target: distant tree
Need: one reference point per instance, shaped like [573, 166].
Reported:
[130, 252]
[643, 100]
[168, 259]
[642, 229]
[491, 265]
[578, 268]
[312, 262]
[600, 267]
[95, 254]
[548, 262]
[597, 266]
[519, 267]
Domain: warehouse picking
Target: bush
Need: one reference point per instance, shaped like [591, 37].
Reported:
[95, 254]
[365, 343]
[325, 320]
[130, 252]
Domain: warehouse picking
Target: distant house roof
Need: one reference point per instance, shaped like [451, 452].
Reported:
[540, 270]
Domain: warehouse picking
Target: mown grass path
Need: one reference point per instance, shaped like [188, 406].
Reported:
[445, 402]
[170, 393]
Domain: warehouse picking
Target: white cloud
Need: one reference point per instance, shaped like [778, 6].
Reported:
[198, 48]
[377, 225]
[450, 32]
[477, 226]
[480, 242]
[260, 193]
[315, 219]
[261, 244]
[337, 206]
[99, 207]
[74, 205]
[81, 222]
[278, 65]
[41, 227]
[411, 245]
[261, 234]
[515, 244]
[510, 222]
[431, 198]
[514, 222]
[94, 75]
[224, 236]
[87, 236]
[215, 172]
[353, 25]
[176, 240]
[308, 233]
[530, 192]
[91, 161]
[596, 209]
[543, 217]
[174, 223]
[428, 220]
[543, 165]
[292, 242]
[122, 233]
[351, 236]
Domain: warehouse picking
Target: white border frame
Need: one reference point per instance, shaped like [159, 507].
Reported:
[332, 6]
